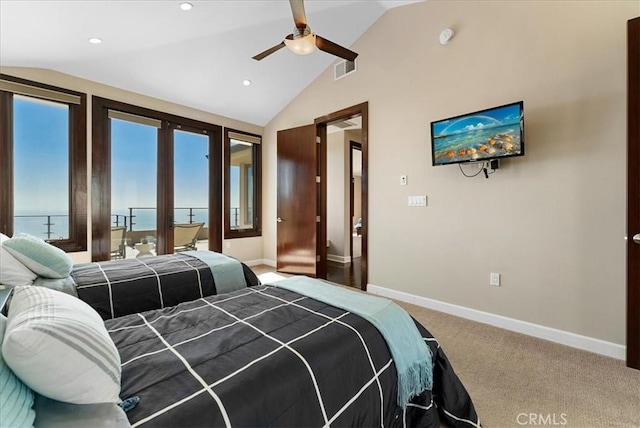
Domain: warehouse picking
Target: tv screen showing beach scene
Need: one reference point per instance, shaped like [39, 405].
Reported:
[480, 136]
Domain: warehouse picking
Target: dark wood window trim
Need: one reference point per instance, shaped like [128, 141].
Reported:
[101, 174]
[257, 188]
[77, 240]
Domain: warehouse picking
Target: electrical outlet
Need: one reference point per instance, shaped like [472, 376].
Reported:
[494, 279]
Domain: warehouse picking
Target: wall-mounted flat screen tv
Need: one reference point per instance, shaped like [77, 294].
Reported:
[480, 136]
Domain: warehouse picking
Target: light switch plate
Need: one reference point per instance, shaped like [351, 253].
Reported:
[494, 279]
[417, 201]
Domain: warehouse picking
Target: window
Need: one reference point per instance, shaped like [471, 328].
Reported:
[191, 177]
[153, 174]
[43, 163]
[134, 182]
[242, 184]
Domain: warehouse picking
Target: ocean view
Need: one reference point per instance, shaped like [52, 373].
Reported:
[52, 225]
[146, 219]
[55, 224]
[41, 174]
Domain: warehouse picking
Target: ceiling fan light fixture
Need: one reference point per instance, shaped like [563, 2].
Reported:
[303, 42]
[186, 6]
[302, 45]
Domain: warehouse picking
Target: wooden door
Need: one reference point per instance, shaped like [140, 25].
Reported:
[297, 200]
[633, 195]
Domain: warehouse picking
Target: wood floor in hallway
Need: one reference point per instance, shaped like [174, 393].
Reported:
[346, 274]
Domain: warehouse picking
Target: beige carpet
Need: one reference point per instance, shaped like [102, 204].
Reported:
[517, 380]
[520, 381]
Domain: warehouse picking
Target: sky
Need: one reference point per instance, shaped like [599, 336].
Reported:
[134, 168]
[41, 156]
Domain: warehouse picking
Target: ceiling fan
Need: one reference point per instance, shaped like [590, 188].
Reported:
[303, 41]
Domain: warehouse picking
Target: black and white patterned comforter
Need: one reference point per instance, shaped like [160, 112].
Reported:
[264, 356]
[121, 287]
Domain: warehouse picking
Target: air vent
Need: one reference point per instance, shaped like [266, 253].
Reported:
[343, 68]
[344, 124]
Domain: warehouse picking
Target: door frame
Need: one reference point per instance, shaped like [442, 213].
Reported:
[321, 123]
[633, 195]
[353, 145]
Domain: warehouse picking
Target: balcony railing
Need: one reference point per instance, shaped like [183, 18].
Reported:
[133, 220]
[61, 232]
[136, 217]
[234, 217]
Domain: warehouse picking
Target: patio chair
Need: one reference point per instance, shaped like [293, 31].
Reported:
[185, 236]
[118, 250]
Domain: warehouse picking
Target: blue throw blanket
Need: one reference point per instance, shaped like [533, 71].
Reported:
[228, 274]
[410, 353]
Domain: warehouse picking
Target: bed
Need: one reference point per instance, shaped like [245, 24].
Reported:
[264, 356]
[121, 287]
[261, 355]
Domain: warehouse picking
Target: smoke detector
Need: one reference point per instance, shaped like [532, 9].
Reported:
[445, 36]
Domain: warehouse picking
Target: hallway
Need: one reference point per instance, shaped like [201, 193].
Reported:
[346, 274]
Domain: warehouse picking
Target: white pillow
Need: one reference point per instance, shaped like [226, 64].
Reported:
[59, 346]
[41, 257]
[12, 272]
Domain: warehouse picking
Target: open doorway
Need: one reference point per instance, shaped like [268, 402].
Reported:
[356, 200]
[343, 169]
[344, 208]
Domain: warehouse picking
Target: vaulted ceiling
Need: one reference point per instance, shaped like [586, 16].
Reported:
[197, 58]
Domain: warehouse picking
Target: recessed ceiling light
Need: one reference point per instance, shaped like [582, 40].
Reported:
[95, 40]
[186, 6]
[246, 82]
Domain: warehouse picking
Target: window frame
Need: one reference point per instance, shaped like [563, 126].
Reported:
[257, 187]
[101, 174]
[77, 240]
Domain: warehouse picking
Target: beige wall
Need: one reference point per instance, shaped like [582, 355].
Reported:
[553, 222]
[245, 249]
[339, 225]
[357, 199]
[249, 250]
[349, 136]
[336, 194]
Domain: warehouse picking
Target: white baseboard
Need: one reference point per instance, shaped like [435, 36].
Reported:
[585, 343]
[268, 262]
[256, 262]
[338, 259]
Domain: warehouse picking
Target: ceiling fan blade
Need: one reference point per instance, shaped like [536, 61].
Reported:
[335, 49]
[269, 51]
[297, 9]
